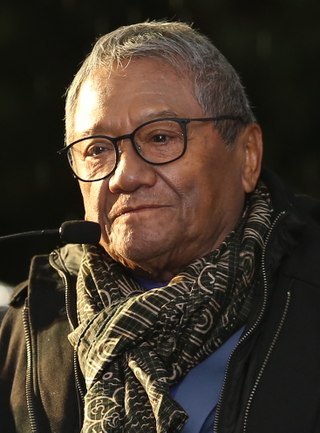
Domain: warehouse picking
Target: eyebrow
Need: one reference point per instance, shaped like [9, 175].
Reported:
[159, 115]
[100, 130]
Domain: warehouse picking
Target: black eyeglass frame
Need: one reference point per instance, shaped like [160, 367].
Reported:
[183, 122]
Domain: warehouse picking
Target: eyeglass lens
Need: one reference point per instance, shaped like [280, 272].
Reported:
[157, 142]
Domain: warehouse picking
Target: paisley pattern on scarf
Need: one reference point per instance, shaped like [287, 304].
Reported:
[133, 345]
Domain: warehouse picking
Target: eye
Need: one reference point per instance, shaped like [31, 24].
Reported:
[160, 138]
[95, 150]
[98, 148]
[159, 133]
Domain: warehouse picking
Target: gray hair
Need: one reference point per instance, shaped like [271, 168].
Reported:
[216, 85]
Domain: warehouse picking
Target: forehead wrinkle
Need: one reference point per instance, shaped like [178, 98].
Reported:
[92, 98]
[97, 90]
[100, 129]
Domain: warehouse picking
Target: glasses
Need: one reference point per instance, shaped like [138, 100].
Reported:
[157, 142]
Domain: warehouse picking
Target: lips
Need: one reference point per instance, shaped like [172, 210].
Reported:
[132, 209]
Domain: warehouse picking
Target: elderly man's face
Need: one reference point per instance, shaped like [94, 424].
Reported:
[159, 218]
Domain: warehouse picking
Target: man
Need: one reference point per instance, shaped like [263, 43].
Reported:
[198, 311]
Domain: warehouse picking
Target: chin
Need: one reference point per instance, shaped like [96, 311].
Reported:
[131, 258]
[120, 254]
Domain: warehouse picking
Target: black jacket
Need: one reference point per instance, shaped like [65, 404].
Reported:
[272, 382]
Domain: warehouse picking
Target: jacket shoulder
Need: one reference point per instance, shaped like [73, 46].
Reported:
[309, 207]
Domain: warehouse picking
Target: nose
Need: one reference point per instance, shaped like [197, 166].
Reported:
[132, 171]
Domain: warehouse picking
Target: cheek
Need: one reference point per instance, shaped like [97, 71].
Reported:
[91, 198]
[210, 188]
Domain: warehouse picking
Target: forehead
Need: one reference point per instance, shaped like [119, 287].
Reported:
[134, 93]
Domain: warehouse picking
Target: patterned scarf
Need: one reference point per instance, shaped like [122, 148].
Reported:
[133, 345]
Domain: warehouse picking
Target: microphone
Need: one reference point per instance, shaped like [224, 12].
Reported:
[70, 232]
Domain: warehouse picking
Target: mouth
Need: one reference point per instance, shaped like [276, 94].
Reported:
[127, 211]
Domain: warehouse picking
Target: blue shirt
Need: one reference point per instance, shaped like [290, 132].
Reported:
[198, 392]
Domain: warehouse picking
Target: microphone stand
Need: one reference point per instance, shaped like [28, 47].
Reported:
[31, 233]
[73, 232]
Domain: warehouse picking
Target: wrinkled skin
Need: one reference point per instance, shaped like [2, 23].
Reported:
[157, 219]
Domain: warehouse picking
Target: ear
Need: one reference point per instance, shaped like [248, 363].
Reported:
[252, 147]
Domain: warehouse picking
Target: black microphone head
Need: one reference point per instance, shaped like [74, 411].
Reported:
[80, 232]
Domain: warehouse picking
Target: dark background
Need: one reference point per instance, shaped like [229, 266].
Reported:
[274, 45]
